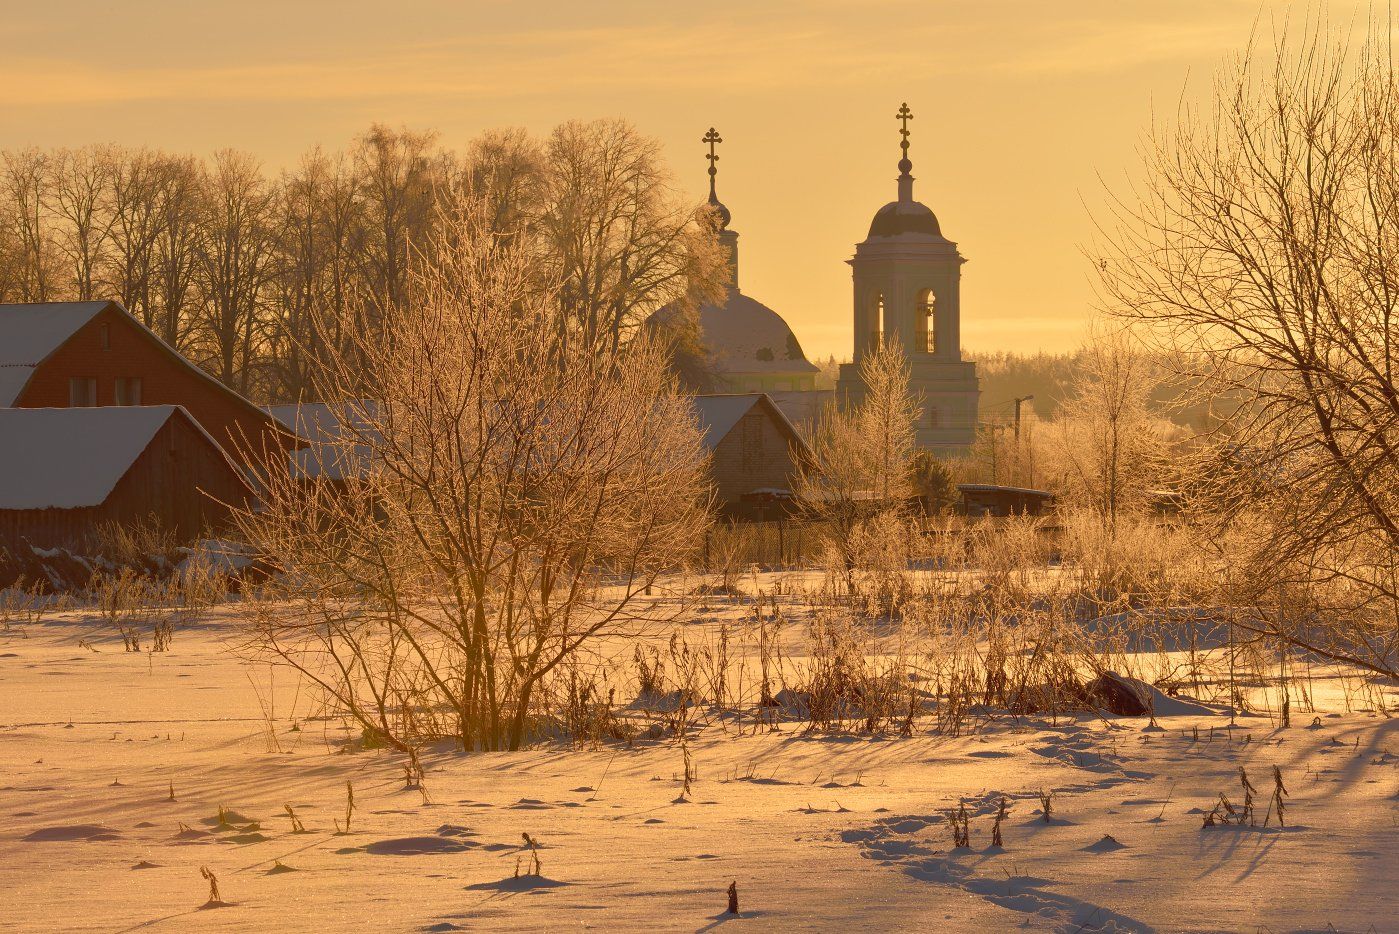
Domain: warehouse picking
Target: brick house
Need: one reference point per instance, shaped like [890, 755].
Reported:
[85, 354]
[755, 452]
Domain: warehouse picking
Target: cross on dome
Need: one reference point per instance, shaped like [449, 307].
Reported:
[903, 116]
[712, 138]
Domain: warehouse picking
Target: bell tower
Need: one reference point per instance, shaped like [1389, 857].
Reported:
[907, 286]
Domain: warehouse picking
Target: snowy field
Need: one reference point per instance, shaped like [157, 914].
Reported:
[818, 832]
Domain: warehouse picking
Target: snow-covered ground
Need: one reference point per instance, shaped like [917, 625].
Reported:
[818, 832]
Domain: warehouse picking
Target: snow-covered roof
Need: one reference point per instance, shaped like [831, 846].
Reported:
[72, 458]
[29, 333]
[996, 488]
[13, 379]
[720, 412]
[805, 407]
[323, 421]
[323, 425]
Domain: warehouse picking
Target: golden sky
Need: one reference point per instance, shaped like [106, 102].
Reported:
[1022, 108]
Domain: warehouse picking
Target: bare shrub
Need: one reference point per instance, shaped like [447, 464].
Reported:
[519, 494]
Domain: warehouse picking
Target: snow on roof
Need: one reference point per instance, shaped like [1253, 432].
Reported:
[995, 488]
[323, 421]
[13, 379]
[720, 413]
[29, 333]
[71, 458]
[323, 425]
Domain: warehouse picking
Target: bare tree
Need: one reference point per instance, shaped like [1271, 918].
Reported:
[23, 176]
[1262, 246]
[132, 269]
[234, 265]
[180, 207]
[79, 196]
[1105, 440]
[397, 170]
[513, 496]
[620, 244]
[861, 459]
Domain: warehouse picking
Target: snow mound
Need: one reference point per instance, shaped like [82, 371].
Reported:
[72, 832]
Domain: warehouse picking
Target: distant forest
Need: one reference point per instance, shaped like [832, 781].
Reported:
[1007, 375]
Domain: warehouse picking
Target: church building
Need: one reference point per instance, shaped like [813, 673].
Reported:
[746, 346]
[907, 287]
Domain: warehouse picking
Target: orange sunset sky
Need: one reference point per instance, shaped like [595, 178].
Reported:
[1021, 106]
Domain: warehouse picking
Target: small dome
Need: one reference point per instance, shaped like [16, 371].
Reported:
[902, 217]
[721, 212]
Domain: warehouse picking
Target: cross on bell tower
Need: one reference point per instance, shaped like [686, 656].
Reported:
[905, 164]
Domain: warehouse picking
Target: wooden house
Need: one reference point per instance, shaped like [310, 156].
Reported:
[66, 471]
[755, 452]
[84, 354]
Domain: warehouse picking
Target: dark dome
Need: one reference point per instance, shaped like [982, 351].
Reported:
[901, 217]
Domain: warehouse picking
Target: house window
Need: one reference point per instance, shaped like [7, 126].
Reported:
[878, 322]
[106, 332]
[934, 417]
[927, 322]
[128, 390]
[82, 392]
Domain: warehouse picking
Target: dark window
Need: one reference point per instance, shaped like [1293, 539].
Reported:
[106, 337]
[128, 390]
[82, 392]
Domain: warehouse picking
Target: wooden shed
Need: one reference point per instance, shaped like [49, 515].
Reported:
[986, 499]
[755, 452]
[68, 470]
[84, 354]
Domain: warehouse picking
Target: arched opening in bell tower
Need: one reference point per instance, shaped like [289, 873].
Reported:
[878, 322]
[926, 340]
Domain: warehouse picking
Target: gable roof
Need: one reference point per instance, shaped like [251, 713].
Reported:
[32, 332]
[74, 458]
[718, 413]
[29, 333]
[322, 426]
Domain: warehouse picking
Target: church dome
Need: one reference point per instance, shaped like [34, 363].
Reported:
[904, 217]
[744, 336]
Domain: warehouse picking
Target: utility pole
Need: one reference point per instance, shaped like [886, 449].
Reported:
[1018, 401]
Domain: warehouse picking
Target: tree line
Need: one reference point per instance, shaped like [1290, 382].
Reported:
[256, 275]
